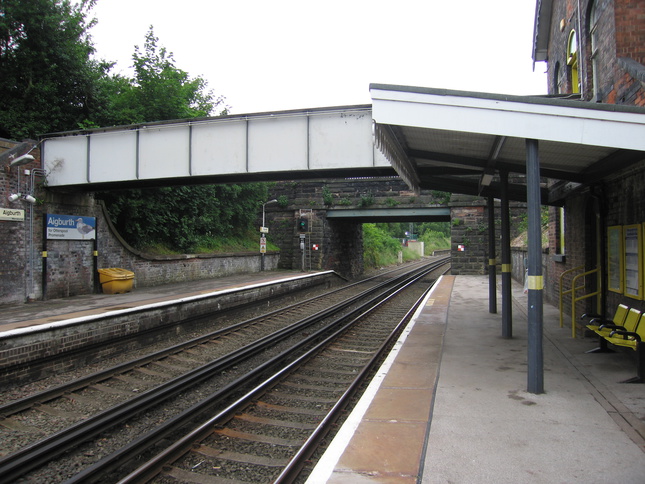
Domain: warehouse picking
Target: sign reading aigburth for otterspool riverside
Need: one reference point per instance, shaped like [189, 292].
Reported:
[12, 214]
[71, 227]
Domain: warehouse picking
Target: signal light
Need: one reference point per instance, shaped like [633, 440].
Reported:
[302, 224]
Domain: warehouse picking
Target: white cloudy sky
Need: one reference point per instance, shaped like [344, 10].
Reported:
[296, 54]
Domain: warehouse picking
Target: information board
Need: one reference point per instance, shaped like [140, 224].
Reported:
[70, 227]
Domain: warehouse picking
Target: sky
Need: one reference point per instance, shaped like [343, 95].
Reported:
[297, 54]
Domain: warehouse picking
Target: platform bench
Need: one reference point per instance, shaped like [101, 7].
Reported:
[626, 329]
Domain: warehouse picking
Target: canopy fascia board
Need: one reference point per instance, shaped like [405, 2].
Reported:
[514, 116]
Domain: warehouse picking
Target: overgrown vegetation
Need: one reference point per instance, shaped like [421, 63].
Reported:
[434, 240]
[379, 248]
[187, 219]
[382, 242]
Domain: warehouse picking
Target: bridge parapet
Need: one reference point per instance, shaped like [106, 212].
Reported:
[270, 146]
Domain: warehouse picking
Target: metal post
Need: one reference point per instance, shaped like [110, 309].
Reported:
[95, 258]
[262, 233]
[44, 254]
[492, 267]
[507, 302]
[535, 280]
[262, 253]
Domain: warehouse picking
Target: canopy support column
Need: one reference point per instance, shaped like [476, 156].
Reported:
[492, 266]
[507, 300]
[535, 278]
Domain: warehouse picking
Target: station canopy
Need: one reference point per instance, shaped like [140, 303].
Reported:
[458, 141]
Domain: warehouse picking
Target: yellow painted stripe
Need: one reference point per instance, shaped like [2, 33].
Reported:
[44, 253]
[491, 262]
[536, 283]
[506, 268]
[96, 253]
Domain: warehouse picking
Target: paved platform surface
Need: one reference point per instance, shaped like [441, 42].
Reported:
[40, 312]
[452, 406]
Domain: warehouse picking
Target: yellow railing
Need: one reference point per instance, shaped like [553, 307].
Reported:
[574, 298]
[563, 293]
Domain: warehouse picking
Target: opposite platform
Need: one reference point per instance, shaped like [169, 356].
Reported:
[42, 312]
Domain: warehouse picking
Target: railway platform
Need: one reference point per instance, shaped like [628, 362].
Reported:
[450, 403]
[40, 312]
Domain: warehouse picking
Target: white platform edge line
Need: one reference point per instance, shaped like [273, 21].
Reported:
[118, 312]
[327, 463]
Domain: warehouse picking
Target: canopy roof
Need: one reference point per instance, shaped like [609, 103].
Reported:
[456, 141]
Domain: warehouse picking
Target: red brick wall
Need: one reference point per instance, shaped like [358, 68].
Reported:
[630, 29]
[14, 235]
[621, 35]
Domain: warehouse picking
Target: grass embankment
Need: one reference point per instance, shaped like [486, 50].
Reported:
[246, 243]
[381, 249]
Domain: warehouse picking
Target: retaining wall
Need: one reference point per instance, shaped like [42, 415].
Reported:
[64, 344]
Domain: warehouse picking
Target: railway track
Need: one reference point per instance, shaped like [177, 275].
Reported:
[268, 335]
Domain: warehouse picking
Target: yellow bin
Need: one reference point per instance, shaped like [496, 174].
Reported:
[116, 281]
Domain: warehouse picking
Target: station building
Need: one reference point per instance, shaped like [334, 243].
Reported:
[594, 52]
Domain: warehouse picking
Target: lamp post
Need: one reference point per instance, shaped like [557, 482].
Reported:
[263, 231]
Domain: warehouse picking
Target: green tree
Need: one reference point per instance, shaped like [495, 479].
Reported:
[159, 91]
[47, 75]
[157, 77]
[50, 82]
[178, 218]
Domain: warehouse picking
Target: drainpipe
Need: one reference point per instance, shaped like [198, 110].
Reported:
[30, 245]
[581, 57]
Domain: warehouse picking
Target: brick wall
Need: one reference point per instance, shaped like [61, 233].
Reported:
[16, 252]
[70, 264]
[619, 75]
[630, 29]
[469, 231]
[619, 201]
[469, 239]
[340, 243]
[624, 206]
[578, 253]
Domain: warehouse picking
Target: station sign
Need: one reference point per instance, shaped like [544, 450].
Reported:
[71, 227]
[264, 230]
[11, 214]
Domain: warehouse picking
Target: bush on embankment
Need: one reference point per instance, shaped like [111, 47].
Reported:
[381, 249]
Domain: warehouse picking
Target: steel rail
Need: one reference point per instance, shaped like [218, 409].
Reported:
[11, 408]
[31, 457]
[176, 450]
[298, 461]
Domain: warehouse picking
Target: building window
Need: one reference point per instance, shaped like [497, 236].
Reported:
[560, 231]
[557, 83]
[593, 34]
[572, 62]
